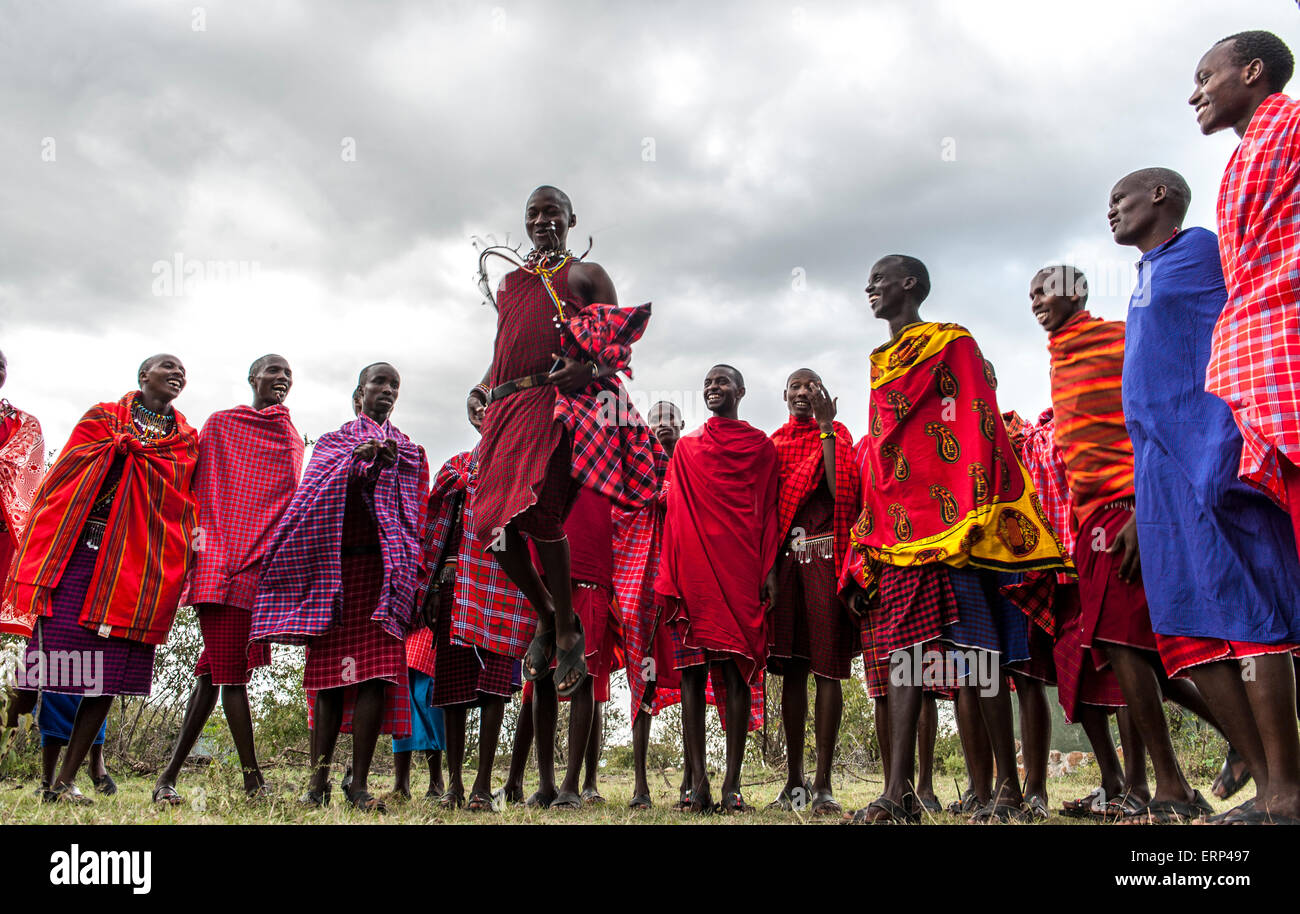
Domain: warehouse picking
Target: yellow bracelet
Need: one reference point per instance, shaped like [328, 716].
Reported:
[825, 435]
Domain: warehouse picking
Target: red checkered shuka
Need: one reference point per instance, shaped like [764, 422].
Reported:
[1255, 350]
[490, 611]
[802, 468]
[249, 465]
[637, 537]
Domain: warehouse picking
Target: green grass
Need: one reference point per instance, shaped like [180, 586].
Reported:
[213, 797]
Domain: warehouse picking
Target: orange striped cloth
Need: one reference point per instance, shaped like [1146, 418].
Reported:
[1087, 360]
[146, 555]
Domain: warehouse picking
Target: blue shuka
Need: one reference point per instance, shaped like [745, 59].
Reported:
[1218, 557]
[57, 712]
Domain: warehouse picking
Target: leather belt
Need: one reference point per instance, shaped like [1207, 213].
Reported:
[502, 391]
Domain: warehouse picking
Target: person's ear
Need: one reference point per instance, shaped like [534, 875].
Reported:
[573, 220]
[1254, 70]
[1158, 193]
[909, 284]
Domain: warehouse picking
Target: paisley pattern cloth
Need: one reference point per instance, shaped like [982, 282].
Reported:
[948, 485]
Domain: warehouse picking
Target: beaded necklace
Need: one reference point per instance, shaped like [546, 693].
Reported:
[538, 262]
[149, 425]
[6, 409]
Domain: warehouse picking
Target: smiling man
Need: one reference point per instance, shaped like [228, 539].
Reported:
[1255, 360]
[560, 342]
[107, 548]
[721, 537]
[341, 575]
[1087, 358]
[1219, 558]
[250, 458]
[812, 631]
[950, 506]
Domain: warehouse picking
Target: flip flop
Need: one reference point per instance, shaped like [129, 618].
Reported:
[105, 785]
[167, 794]
[1223, 818]
[571, 660]
[640, 801]
[362, 801]
[930, 804]
[480, 801]
[684, 799]
[783, 802]
[567, 799]
[591, 796]
[699, 804]
[894, 814]
[966, 806]
[66, 793]
[316, 798]
[733, 804]
[513, 795]
[999, 812]
[540, 651]
[1094, 804]
[452, 799]
[1171, 812]
[1261, 817]
[1122, 806]
[824, 804]
[1036, 806]
[539, 801]
[1226, 780]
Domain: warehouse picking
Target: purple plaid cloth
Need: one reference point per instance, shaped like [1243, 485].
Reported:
[298, 596]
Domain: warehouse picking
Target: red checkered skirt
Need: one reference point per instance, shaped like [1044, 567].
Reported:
[594, 605]
[1179, 653]
[1078, 681]
[1113, 610]
[419, 651]
[358, 649]
[465, 673]
[227, 656]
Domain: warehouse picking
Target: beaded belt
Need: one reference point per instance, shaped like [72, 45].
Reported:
[501, 391]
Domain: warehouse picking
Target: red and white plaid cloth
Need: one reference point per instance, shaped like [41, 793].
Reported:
[1255, 352]
[249, 465]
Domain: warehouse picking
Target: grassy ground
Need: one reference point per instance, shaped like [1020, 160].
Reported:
[213, 798]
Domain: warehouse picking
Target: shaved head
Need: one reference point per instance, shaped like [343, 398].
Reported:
[555, 192]
[916, 270]
[263, 362]
[798, 371]
[1065, 280]
[1177, 191]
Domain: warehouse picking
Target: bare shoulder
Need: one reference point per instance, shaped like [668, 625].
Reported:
[590, 283]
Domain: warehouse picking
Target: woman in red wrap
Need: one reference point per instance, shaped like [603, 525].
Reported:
[101, 565]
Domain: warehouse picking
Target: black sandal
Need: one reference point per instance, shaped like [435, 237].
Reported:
[481, 801]
[824, 804]
[1226, 780]
[733, 804]
[362, 801]
[571, 660]
[317, 798]
[641, 801]
[167, 794]
[105, 785]
[894, 814]
[66, 793]
[538, 656]
[567, 800]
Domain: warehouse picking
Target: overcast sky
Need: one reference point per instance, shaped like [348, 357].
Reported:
[321, 169]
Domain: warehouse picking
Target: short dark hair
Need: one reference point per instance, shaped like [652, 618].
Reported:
[551, 188]
[801, 371]
[1176, 187]
[1073, 281]
[914, 268]
[261, 363]
[735, 373]
[1279, 63]
[149, 362]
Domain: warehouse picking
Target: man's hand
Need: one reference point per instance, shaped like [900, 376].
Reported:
[856, 601]
[1126, 544]
[475, 407]
[387, 453]
[366, 450]
[824, 408]
[572, 375]
[769, 590]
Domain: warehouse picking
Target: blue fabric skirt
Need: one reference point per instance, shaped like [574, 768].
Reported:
[57, 712]
[428, 731]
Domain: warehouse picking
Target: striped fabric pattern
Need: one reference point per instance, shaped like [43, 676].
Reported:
[1087, 362]
[146, 551]
[1255, 355]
